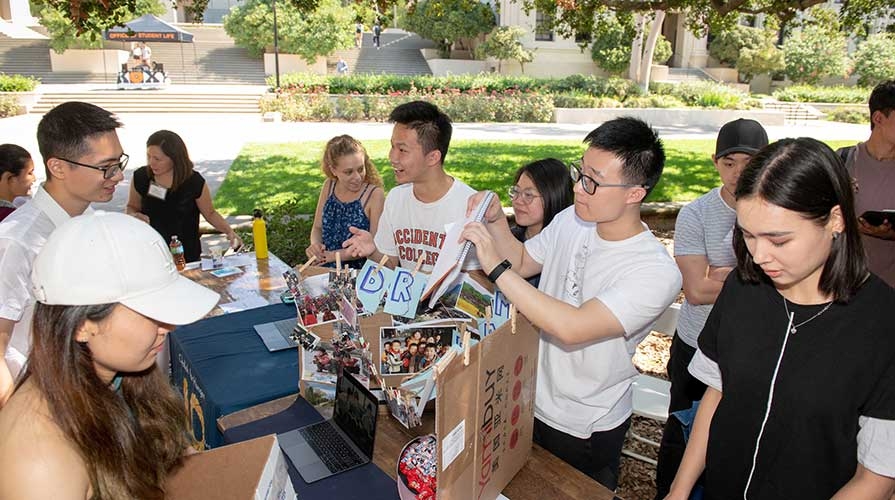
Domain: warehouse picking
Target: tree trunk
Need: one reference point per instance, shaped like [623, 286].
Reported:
[646, 61]
[636, 48]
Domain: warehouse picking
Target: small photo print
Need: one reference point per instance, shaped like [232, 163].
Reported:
[323, 363]
[321, 397]
[412, 350]
[225, 271]
[473, 298]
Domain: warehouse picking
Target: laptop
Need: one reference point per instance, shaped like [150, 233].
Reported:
[342, 443]
[277, 335]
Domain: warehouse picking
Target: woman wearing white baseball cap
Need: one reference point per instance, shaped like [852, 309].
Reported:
[92, 416]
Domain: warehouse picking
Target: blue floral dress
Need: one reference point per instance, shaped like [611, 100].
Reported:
[338, 216]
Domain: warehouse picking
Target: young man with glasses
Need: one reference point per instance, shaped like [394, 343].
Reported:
[604, 280]
[84, 162]
[703, 250]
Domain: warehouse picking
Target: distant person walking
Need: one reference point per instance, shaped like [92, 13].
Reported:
[377, 30]
[342, 66]
[358, 34]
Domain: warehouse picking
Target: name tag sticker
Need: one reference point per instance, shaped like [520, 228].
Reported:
[157, 191]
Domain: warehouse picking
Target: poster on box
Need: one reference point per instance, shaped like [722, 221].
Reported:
[411, 349]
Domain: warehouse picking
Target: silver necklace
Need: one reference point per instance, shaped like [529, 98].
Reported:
[795, 328]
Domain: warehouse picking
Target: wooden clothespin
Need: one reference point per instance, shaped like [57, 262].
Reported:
[419, 264]
[382, 262]
[338, 263]
[443, 363]
[466, 342]
[306, 264]
[487, 319]
[513, 318]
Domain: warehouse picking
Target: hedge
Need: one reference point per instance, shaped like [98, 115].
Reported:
[811, 93]
[17, 83]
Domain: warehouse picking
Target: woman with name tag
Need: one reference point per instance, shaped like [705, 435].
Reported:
[798, 352]
[92, 415]
[169, 195]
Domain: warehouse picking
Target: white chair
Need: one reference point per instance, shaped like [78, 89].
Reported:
[652, 394]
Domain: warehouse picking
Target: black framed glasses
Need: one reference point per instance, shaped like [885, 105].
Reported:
[108, 171]
[590, 184]
[526, 197]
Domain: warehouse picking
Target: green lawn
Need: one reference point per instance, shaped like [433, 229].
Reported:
[269, 175]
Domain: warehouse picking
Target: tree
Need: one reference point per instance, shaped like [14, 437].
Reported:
[750, 50]
[504, 44]
[318, 33]
[64, 31]
[817, 49]
[447, 21]
[875, 59]
[614, 35]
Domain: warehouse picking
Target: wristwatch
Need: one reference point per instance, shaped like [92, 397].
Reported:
[498, 270]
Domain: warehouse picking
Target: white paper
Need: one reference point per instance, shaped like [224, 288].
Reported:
[247, 302]
[239, 259]
[452, 445]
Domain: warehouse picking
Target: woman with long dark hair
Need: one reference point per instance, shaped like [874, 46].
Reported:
[540, 190]
[169, 195]
[798, 352]
[92, 415]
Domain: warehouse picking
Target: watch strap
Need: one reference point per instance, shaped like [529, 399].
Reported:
[498, 270]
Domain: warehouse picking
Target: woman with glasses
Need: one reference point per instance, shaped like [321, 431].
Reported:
[540, 190]
[798, 351]
[169, 195]
[92, 416]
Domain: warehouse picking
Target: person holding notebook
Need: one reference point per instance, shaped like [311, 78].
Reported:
[604, 280]
[412, 225]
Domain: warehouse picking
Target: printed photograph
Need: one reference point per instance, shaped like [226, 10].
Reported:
[473, 298]
[414, 349]
[323, 363]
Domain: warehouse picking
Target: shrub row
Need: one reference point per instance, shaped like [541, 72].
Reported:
[705, 95]
[519, 107]
[617, 88]
[17, 83]
[811, 93]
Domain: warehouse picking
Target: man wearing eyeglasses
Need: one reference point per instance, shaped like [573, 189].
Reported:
[604, 280]
[84, 162]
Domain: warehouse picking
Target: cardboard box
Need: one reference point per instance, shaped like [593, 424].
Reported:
[251, 470]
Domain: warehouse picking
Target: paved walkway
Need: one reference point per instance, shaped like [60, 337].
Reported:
[214, 140]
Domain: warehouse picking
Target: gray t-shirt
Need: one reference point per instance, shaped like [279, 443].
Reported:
[876, 191]
[703, 227]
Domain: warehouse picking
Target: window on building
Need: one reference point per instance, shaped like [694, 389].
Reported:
[543, 33]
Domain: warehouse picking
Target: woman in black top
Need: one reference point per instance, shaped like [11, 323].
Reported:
[540, 190]
[170, 195]
[798, 352]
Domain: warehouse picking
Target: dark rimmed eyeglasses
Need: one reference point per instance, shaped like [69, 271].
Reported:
[590, 184]
[108, 171]
[526, 197]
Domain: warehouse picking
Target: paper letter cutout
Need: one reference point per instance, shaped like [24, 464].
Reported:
[370, 286]
[500, 309]
[404, 293]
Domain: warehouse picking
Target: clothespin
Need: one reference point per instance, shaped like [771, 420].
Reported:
[466, 342]
[419, 264]
[443, 363]
[306, 264]
[382, 262]
[338, 263]
[513, 318]
[487, 318]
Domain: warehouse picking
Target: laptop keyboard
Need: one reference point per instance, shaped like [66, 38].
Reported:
[330, 447]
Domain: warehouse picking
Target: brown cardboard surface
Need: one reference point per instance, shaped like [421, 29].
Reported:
[227, 473]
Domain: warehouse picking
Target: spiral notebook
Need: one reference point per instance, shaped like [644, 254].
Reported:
[453, 254]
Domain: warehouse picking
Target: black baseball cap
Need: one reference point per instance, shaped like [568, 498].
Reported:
[740, 136]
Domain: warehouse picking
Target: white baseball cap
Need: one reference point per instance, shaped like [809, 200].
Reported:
[105, 258]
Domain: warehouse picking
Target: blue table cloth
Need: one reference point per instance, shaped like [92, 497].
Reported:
[220, 366]
[367, 482]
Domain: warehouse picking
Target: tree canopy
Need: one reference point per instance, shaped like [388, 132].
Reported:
[446, 21]
[67, 30]
[504, 44]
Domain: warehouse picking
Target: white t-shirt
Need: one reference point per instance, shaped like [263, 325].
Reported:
[22, 234]
[408, 226]
[584, 389]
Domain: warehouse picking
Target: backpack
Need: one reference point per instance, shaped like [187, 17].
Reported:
[846, 153]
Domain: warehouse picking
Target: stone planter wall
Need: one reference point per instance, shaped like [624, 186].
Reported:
[444, 67]
[291, 63]
[667, 117]
[27, 100]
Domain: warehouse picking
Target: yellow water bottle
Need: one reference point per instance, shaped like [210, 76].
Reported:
[259, 233]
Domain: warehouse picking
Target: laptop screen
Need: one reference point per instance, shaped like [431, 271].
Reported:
[355, 412]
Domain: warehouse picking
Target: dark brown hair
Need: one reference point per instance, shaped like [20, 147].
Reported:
[173, 146]
[805, 176]
[130, 439]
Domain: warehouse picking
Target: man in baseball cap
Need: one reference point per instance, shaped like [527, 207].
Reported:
[704, 253]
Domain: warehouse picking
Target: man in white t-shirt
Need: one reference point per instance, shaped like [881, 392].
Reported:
[84, 162]
[412, 225]
[604, 280]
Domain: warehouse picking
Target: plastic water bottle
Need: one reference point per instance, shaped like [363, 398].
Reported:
[177, 252]
[259, 234]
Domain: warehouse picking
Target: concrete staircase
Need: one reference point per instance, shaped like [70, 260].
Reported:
[793, 112]
[399, 54]
[205, 99]
[687, 75]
